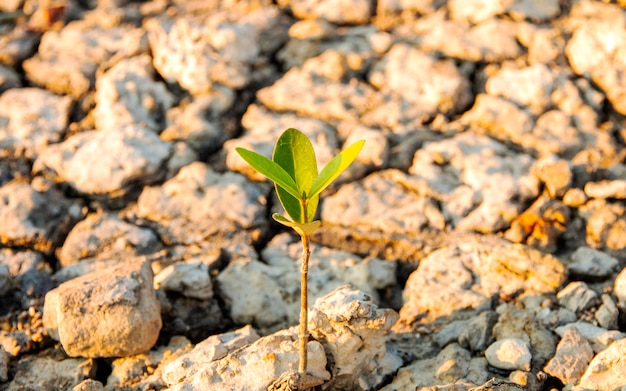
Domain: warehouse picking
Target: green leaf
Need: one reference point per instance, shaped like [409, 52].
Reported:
[302, 229]
[271, 170]
[335, 167]
[294, 153]
[291, 204]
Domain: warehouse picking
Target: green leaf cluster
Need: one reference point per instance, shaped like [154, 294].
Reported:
[293, 169]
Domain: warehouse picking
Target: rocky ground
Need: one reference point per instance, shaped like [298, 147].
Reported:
[478, 243]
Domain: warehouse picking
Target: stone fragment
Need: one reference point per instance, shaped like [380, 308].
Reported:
[4, 366]
[465, 275]
[574, 198]
[91, 161]
[577, 296]
[334, 11]
[352, 330]
[199, 123]
[607, 314]
[474, 11]
[109, 314]
[573, 354]
[50, 373]
[88, 385]
[17, 43]
[8, 78]
[382, 202]
[127, 94]
[418, 96]
[452, 368]
[256, 366]
[191, 279]
[595, 50]
[33, 219]
[535, 10]
[145, 370]
[32, 118]
[199, 202]
[199, 53]
[104, 236]
[67, 59]
[203, 353]
[5, 279]
[606, 189]
[606, 224]
[555, 173]
[494, 40]
[587, 262]
[527, 87]
[509, 354]
[598, 337]
[607, 370]
[478, 332]
[458, 173]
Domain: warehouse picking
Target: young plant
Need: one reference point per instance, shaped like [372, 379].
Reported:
[293, 169]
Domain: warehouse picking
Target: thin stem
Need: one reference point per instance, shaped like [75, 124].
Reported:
[304, 305]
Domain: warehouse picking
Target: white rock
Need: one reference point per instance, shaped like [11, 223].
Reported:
[127, 94]
[572, 356]
[531, 86]
[81, 161]
[199, 202]
[619, 288]
[607, 314]
[577, 296]
[352, 330]
[213, 348]
[598, 337]
[37, 371]
[510, 354]
[256, 366]
[32, 118]
[108, 314]
[536, 10]
[335, 11]
[589, 262]
[555, 173]
[607, 370]
[190, 279]
[606, 189]
[475, 11]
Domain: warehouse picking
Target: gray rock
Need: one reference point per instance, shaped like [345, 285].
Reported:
[606, 189]
[8, 78]
[5, 359]
[80, 160]
[352, 330]
[335, 11]
[17, 44]
[538, 11]
[127, 94]
[199, 53]
[606, 370]
[453, 368]
[67, 59]
[509, 353]
[573, 354]
[606, 222]
[416, 97]
[396, 209]
[109, 314]
[478, 332]
[199, 123]
[198, 203]
[577, 297]
[598, 337]
[105, 236]
[599, 61]
[47, 372]
[451, 332]
[191, 279]
[88, 385]
[31, 118]
[607, 314]
[589, 262]
[33, 219]
[527, 87]
[458, 171]
[466, 275]
[491, 41]
[213, 348]
[5, 279]
[256, 366]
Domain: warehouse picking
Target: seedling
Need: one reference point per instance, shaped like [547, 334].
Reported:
[293, 169]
